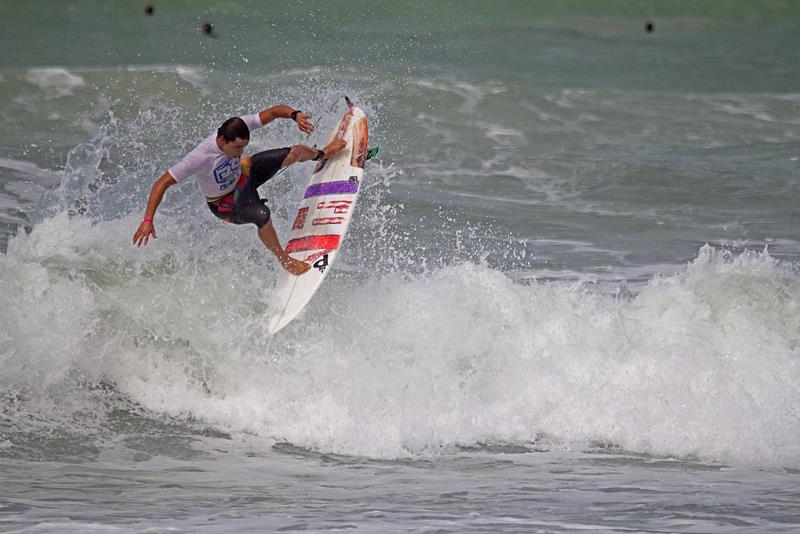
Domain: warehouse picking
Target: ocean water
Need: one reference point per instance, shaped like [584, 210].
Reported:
[569, 300]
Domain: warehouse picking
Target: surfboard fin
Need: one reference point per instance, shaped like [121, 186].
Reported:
[372, 152]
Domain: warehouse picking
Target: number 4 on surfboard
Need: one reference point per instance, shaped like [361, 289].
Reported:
[323, 216]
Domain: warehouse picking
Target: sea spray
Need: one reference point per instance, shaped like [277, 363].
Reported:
[702, 363]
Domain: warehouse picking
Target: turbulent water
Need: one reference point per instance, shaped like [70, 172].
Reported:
[569, 299]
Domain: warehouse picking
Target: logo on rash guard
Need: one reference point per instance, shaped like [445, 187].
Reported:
[227, 173]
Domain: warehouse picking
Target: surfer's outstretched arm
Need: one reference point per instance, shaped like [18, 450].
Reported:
[282, 111]
[146, 228]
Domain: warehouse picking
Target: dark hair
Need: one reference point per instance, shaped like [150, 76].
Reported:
[233, 128]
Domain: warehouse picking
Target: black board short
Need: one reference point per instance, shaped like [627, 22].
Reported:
[243, 205]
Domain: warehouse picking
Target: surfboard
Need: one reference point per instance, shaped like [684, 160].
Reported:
[323, 216]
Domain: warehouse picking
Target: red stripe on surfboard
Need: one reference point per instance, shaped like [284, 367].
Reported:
[312, 242]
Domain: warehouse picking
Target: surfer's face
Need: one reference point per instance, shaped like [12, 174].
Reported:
[234, 149]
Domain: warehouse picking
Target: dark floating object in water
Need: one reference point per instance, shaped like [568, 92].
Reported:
[208, 29]
[649, 27]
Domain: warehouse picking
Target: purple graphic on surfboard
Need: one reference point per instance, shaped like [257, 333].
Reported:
[332, 188]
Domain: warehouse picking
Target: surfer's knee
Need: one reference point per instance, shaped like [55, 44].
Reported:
[255, 213]
[261, 217]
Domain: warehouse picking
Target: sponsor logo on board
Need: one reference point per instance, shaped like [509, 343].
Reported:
[339, 207]
[300, 220]
[322, 263]
[322, 221]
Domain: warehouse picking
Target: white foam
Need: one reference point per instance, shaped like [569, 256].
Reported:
[30, 169]
[503, 136]
[193, 75]
[55, 82]
[700, 363]
[471, 94]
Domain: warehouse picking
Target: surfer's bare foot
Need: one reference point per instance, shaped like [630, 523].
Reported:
[334, 146]
[296, 267]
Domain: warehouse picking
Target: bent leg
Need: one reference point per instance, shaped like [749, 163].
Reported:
[269, 237]
[299, 153]
[264, 165]
[248, 208]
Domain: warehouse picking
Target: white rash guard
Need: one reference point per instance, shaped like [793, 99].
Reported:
[216, 173]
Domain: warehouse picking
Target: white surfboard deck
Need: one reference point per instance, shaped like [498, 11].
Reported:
[322, 219]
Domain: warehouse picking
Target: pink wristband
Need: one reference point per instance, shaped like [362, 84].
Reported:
[148, 219]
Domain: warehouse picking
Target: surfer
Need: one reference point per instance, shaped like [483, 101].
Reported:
[208, 29]
[230, 182]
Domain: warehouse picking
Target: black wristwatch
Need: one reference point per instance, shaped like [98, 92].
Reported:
[295, 113]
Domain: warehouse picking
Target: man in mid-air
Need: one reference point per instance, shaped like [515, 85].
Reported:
[230, 184]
